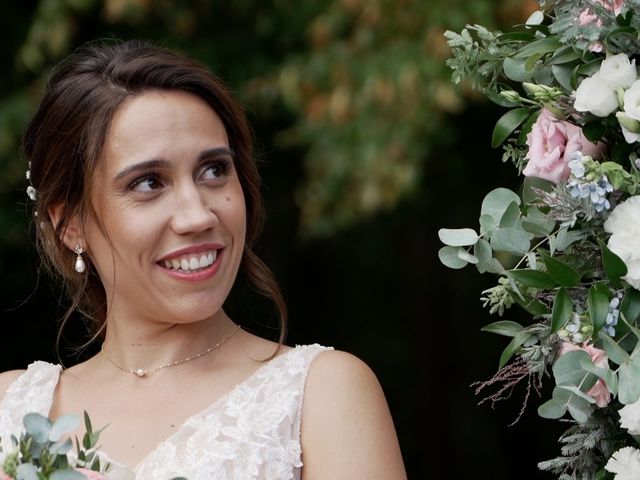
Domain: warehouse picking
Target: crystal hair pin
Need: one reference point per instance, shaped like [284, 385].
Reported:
[32, 193]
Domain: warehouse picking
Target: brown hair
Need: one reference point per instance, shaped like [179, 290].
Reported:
[64, 141]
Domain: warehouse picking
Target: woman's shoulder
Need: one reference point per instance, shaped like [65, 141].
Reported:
[339, 367]
[347, 426]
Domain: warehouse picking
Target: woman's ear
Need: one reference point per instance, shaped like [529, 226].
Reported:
[72, 234]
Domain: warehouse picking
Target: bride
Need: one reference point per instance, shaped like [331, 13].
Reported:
[147, 206]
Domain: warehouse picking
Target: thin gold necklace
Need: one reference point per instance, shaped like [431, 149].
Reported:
[141, 372]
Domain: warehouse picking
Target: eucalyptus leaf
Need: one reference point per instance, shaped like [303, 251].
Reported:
[628, 381]
[564, 55]
[458, 237]
[561, 311]
[37, 426]
[579, 393]
[496, 202]
[488, 225]
[510, 216]
[532, 60]
[539, 229]
[616, 354]
[69, 474]
[565, 238]
[567, 370]
[482, 251]
[544, 45]
[467, 257]
[492, 266]
[552, 409]
[64, 424]
[536, 18]
[562, 74]
[515, 69]
[450, 258]
[609, 377]
[61, 447]
[564, 399]
[510, 240]
[507, 328]
[26, 471]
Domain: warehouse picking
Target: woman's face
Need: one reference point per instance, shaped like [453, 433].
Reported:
[170, 211]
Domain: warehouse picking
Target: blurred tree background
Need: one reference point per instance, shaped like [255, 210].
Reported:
[366, 149]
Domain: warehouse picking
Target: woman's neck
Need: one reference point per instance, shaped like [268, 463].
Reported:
[147, 346]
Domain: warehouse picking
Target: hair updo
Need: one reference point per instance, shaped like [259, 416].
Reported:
[64, 143]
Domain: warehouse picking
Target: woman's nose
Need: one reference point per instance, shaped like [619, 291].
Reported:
[192, 213]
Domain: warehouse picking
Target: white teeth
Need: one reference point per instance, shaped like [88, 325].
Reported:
[189, 263]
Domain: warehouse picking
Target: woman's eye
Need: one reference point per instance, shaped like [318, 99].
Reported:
[215, 170]
[145, 184]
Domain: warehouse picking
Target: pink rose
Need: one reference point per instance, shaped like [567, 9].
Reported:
[614, 6]
[4, 476]
[599, 391]
[551, 143]
[586, 17]
[90, 474]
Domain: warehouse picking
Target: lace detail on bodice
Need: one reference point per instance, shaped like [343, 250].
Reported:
[251, 433]
[30, 392]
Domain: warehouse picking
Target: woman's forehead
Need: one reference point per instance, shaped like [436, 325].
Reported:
[162, 124]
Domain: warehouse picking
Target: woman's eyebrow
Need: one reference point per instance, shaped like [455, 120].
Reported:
[146, 165]
[161, 163]
[215, 152]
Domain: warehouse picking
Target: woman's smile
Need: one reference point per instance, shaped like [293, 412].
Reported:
[195, 263]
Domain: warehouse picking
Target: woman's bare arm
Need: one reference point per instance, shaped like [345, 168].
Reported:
[347, 430]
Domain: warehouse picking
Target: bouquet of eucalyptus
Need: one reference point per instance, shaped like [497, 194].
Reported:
[44, 451]
[566, 247]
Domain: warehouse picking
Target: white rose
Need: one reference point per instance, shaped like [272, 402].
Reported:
[629, 136]
[632, 100]
[630, 418]
[618, 72]
[624, 225]
[595, 96]
[625, 463]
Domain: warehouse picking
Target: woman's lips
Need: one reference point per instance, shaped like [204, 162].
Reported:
[193, 266]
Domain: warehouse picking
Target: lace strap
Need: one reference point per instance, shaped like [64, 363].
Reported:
[309, 353]
[30, 392]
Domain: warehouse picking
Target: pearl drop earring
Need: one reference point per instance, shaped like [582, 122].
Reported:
[79, 265]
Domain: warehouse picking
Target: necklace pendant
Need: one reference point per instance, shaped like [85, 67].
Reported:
[140, 372]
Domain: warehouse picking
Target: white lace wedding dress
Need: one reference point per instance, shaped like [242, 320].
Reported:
[251, 433]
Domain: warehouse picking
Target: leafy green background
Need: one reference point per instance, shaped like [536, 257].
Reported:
[366, 150]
